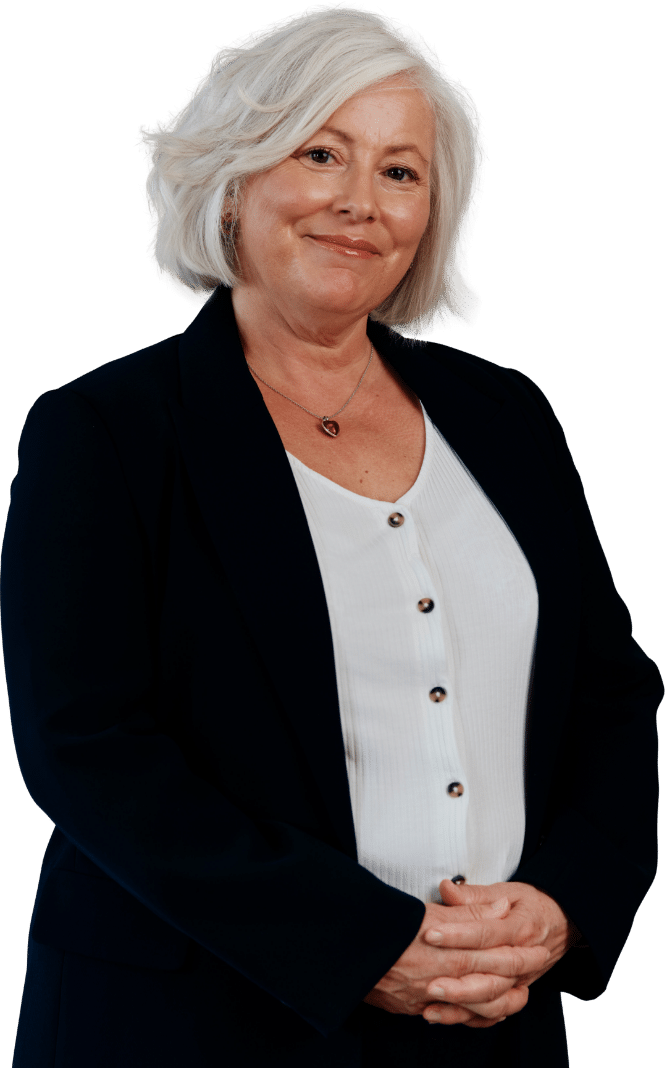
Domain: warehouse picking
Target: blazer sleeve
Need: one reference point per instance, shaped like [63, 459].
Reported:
[599, 856]
[297, 917]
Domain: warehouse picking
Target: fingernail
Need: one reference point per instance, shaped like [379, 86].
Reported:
[500, 904]
[439, 991]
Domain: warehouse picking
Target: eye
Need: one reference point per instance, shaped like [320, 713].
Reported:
[327, 152]
[312, 152]
[405, 170]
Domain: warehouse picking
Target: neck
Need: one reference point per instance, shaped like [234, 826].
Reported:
[292, 351]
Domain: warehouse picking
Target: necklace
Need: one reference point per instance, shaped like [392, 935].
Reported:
[327, 422]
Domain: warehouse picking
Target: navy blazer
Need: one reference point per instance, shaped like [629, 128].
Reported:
[173, 696]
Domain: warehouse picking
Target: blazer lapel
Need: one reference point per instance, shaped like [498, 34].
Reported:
[250, 502]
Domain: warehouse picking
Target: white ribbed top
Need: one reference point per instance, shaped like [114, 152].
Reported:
[403, 750]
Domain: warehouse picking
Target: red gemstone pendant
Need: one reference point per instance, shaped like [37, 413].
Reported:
[330, 427]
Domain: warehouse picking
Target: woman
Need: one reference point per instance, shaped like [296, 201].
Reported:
[313, 656]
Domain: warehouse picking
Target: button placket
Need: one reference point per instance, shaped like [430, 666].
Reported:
[436, 690]
[435, 659]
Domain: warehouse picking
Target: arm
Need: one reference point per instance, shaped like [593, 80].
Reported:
[606, 780]
[80, 623]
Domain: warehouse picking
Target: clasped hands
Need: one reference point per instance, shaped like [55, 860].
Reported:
[476, 955]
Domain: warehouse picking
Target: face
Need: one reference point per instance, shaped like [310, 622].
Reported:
[335, 226]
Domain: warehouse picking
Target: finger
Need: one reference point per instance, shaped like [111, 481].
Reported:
[509, 1003]
[456, 891]
[471, 909]
[477, 987]
[443, 1013]
[478, 1021]
[488, 931]
[455, 1014]
[492, 1012]
[510, 962]
[475, 893]
[480, 929]
[468, 914]
[507, 962]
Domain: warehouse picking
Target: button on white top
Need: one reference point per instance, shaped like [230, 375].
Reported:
[403, 748]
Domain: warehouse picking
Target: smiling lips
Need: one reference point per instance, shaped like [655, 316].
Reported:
[363, 250]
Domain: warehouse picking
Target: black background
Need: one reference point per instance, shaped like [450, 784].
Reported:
[555, 256]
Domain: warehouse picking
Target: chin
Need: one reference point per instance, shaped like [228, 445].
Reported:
[342, 294]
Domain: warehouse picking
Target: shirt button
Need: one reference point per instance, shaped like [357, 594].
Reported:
[396, 519]
[425, 604]
[437, 694]
[455, 789]
[459, 879]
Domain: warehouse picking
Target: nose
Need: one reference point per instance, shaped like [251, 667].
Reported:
[356, 196]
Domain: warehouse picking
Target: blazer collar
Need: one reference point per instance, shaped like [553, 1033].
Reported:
[250, 502]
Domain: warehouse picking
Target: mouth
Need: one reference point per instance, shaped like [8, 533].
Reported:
[345, 245]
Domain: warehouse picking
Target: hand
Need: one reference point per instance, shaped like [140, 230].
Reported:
[406, 987]
[534, 919]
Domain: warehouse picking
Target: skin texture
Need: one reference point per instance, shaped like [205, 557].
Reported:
[494, 941]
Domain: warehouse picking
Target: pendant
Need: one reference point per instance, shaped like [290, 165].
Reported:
[330, 426]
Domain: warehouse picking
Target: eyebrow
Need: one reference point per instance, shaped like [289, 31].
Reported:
[393, 148]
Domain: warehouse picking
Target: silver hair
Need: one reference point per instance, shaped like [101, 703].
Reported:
[259, 103]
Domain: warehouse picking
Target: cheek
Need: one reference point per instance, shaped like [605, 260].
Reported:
[302, 198]
[420, 221]
[269, 205]
[410, 222]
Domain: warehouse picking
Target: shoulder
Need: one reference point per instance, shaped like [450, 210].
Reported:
[130, 390]
[488, 378]
[144, 376]
[484, 388]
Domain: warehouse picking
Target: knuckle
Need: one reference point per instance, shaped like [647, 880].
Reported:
[487, 937]
[461, 963]
[516, 961]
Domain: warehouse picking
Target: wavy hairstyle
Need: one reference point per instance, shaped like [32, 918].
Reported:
[259, 103]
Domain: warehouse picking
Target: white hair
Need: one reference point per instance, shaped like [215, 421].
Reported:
[259, 103]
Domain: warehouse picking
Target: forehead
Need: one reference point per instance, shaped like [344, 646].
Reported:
[392, 108]
[397, 88]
